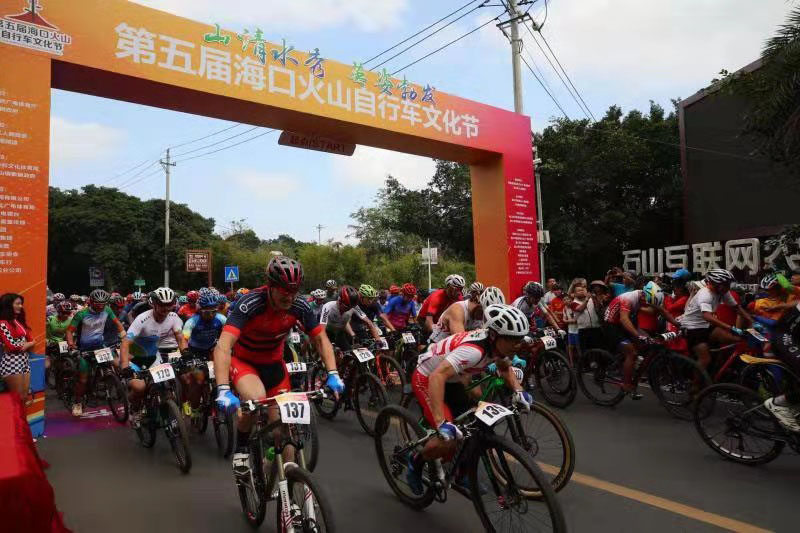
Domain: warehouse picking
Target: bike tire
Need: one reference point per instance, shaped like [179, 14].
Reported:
[296, 476]
[676, 380]
[555, 379]
[594, 367]
[175, 428]
[200, 423]
[224, 431]
[761, 379]
[502, 449]
[117, 398]
[65, 388]
[707, 401]
[146, 432]
[369, 405]
[395, 418]
[328, 407]
[254, 502]
[386, 368]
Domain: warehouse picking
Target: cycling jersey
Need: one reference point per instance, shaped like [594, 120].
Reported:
[203, 334]
[90, 327]
[399, 310]
[372, 312]
[704, 301]
[262, 330]
[441, 329]
[187, 311]
[56, 329]
[465, 352]
[436, 304]
[151, 336]
[331, 317]
[536, 313]
[627, 301]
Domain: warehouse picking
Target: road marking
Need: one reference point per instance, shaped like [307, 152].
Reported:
[657, 501]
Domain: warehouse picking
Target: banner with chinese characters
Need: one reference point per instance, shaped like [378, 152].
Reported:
[747, 256]
[24, 148]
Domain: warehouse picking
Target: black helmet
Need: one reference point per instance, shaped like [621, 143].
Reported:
[534, 289]
[348, 296]
[285, 272]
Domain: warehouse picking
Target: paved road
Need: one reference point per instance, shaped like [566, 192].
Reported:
[637, 470]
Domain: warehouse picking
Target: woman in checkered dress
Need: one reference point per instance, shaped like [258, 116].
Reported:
[16, 340]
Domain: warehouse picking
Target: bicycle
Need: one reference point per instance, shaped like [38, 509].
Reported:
[103, 383]
[386, 368]
[307, 509]
[548, 371]
[497, 470]
[364, 392]
[56, 352]
[160, 411]
[407, 347]
[540, 432]
[675, 379]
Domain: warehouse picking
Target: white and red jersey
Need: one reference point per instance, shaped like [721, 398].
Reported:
[465, 352]
[627, 301]
[441, 330]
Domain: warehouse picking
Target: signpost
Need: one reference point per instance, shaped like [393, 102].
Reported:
[138, 283]
[430, 256]
[96, 277]
[314, 142]
[231, 274]
[199, 261]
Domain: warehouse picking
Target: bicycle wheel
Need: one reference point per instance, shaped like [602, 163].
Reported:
[392, 377]
[117, 397]
[309, 508]
[175, 428]
[393, 446]
[555, 379]
[224, 431]
[65, 387]
[253, 496]
[146, 432]
[369, 397]
[600, 377]
[201, 415]
[764, 379]
[676, 380]
[329, 406]
[499, 500]
[732, 421]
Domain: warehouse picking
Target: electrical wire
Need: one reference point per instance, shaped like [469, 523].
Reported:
[130, 179]
[226, 147]
[541, 74]
[206, 137]
[140, 180]
[370, 60]
[446, 45]
[565, 73]
[216, 143]
[553, 98]
[116, 176]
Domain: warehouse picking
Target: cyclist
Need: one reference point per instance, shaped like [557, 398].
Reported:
[331, 290]
[190, 307]
[624, 335]
[475, 290]
[153, 332]
[56, 330]
[141, 306]
[786, 346]
[439, 300]
[394, 290]
[702, 325]
[439, 388]
[182, 300]
[535, 310]
[400, 308]
[383, 297]
[117, 303]
[367, 302]
[76, 301]
[466, 315]
[90, 324]
[336, 316]
[52, 309]
[222, 305]
[201, 331]
[255, 332]
[775, 301]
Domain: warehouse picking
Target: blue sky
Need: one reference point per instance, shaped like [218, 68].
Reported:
[623, 52]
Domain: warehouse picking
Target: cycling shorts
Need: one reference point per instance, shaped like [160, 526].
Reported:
[698, 336]
[616, 335]
[456, 401]
[273, 375]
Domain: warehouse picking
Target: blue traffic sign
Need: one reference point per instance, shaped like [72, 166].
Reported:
[231, 274]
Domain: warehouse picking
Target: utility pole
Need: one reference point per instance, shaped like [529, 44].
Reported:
[516, 50]
[319, 234]
[166, 164]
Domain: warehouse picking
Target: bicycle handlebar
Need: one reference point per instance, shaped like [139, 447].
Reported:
[254, 405]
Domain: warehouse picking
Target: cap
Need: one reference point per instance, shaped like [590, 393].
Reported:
[681, 273]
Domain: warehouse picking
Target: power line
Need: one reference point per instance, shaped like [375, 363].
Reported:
[140, 180]
[553, 98]
[448, 44]
[419, 32]
[206, 137]
[130, 179]
[406, 49]
[565, 74]
[116, 176]
[226, 147]
[218, 142]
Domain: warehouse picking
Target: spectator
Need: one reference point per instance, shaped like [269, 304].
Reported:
[620, 282]
[16, 342]
[576, 300]
[588, 315]
[550, 294]
[557, 304]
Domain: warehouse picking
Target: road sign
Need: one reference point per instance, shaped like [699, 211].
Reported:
[431, 254]
[313, 142]
[138, 283]
[96, 277]
[231, 274]
[197, 260]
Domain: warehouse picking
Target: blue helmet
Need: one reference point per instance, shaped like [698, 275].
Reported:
[221, 299]
[207, 301]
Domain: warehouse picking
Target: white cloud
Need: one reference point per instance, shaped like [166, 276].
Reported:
[265, 185]
[366, 15]
[73, 143]
[371, 166]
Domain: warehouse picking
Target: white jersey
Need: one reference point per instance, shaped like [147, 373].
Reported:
[331, 317]
[153, 336]
[704, 301]
[441, 330]
[465, 352]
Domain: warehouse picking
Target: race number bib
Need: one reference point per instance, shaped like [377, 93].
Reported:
[173, 356]
[294, 408]
[490, 413]
[549, 343]
[518, 373]
[103, 355]
[294, 368]
[63, 347]
[162, 372]
[382, 344]
[756, 335]
[363, 355]
[210, 365]
[550, 332]
[408, 338]
[294, 337]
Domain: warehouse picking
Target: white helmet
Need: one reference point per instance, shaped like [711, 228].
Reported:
[319, 293]
[719, 275]
[491, 296]
[476, 287]
[163, 295]
[331, 284]
[454, 280]
[506, 320]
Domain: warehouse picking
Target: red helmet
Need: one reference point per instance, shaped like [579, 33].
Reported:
[409, 289]
[192, 296]
[285, 272]
[394, 289]
[348, 296]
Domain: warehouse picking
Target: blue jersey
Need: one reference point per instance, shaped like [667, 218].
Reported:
[202, 335]
[398, 310]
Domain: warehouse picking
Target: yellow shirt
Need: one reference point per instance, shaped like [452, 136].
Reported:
[762, 303]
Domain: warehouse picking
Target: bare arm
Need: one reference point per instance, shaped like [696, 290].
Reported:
[222, 357]
[324, 348]
[125, 353]
[668, 316]
[454, 317]
[436, 383]
[625, 321]
[385, 320]
[506, 372]
[428, 327]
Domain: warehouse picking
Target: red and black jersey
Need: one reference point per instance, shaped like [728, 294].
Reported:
[262, 330]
